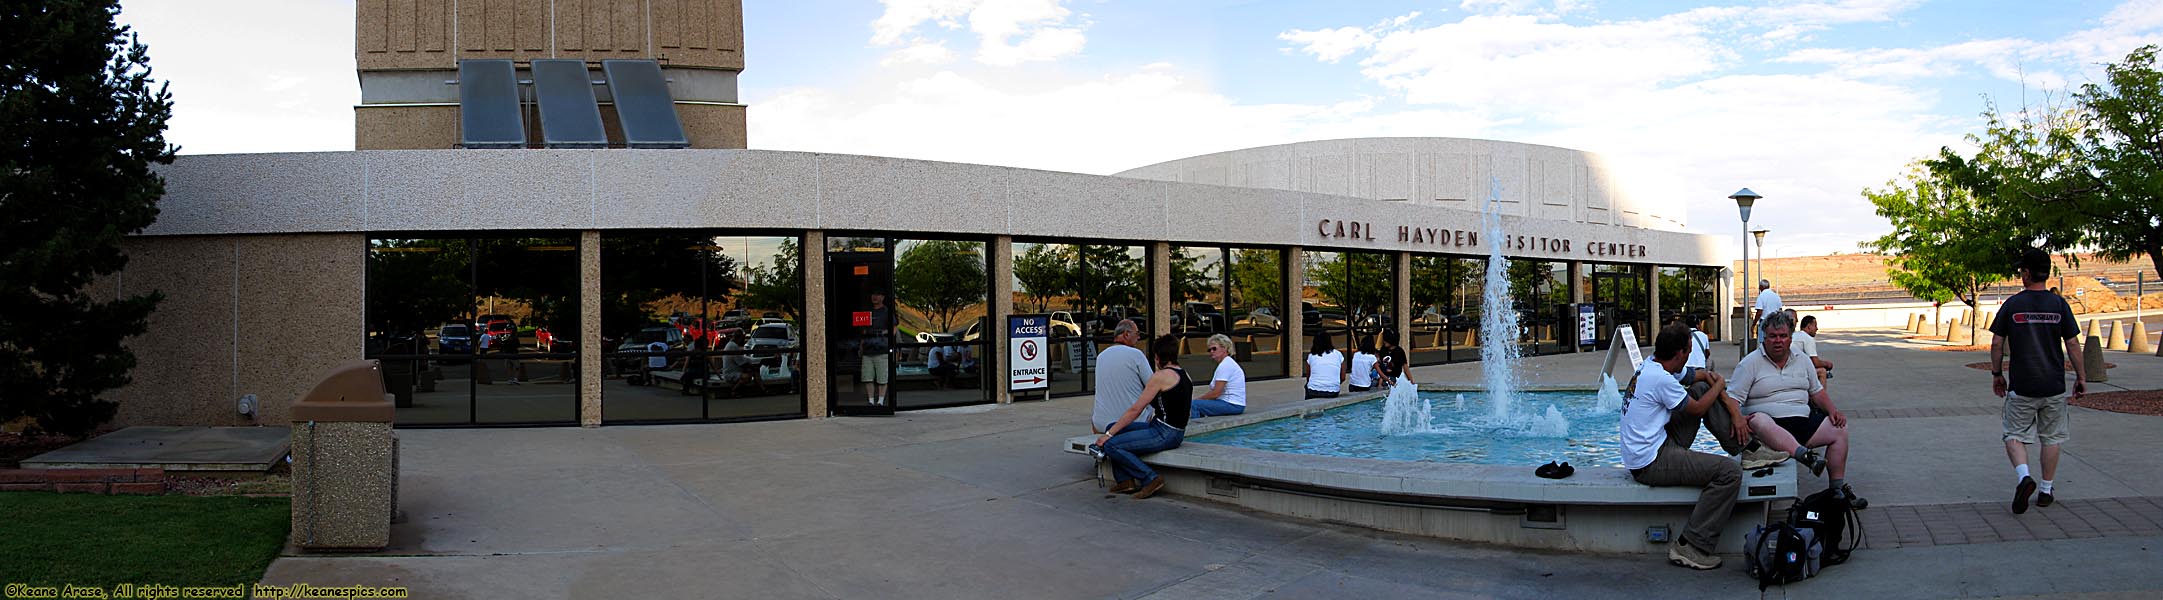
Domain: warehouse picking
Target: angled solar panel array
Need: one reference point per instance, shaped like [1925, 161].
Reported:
[570, 116]
[643, 104]
[488, 115]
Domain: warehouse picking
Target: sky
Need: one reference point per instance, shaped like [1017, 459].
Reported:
[1806, 102]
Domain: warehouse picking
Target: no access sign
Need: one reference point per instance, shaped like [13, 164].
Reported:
[1028, 350]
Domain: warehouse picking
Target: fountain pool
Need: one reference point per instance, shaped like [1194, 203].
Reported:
[1563, 426]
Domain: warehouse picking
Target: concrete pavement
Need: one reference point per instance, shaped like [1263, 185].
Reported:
[979, 503]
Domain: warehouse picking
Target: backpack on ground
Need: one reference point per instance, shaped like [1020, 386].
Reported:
[1828, 514]
[1780, 554]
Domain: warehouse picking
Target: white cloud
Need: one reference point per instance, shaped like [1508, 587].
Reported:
[930, 53]
[1093, 125]
[268, 102]
[1009, 32]
[1328, 45]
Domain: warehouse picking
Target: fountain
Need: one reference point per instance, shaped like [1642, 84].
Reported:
[1419, 461]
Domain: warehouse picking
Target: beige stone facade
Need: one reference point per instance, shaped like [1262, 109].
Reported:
[408, 52]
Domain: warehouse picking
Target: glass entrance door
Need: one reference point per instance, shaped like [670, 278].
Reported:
[860, 327]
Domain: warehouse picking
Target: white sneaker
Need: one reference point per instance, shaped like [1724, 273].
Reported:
[1761, 457]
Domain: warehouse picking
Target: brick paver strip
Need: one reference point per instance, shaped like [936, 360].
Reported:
[1923, 525]
[1932, 411]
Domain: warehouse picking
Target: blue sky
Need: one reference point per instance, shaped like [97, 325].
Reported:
[1805, 101]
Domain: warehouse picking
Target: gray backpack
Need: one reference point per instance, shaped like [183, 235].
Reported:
[1781, 553]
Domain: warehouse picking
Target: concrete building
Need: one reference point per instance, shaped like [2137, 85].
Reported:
[587, 286]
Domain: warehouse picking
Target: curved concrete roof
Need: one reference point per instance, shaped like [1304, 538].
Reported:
[1530, 180]
[476, 190]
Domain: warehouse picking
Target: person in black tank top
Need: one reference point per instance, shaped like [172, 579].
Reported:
[1169, 392]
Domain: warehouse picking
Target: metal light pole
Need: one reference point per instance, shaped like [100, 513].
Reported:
[1760, 235]
[1743, 200]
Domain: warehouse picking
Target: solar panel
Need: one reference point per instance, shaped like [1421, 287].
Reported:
[488, 115]
[570, 117]
[643, 105]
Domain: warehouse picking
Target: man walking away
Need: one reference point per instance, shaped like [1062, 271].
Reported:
[2037, 328]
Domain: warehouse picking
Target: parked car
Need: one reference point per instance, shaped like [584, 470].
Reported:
[774, 366]
[638, 341]
[1199, 316]
[1309, 316]
[1260, 320]
[501, 331]
[454, 338]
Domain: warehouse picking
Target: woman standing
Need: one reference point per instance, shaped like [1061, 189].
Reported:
[1325, 368]
[1169, 393]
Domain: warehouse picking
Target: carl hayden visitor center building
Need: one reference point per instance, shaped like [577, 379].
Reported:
[550, 218]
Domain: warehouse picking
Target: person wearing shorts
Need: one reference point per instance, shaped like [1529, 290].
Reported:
[2036, 329]
[1788, 409]
[876, 347]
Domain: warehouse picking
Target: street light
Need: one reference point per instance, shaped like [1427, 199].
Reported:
[1760, 235]
[1744, 199]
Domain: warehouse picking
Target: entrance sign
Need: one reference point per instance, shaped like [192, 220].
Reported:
[1028, 343]
[1629, 340]
[1588, 327]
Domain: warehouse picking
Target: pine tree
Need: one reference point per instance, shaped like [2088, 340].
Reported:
[80, 128]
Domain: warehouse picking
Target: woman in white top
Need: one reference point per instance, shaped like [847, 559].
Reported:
[1325, 368]
[1361, 374]
[1227, 393]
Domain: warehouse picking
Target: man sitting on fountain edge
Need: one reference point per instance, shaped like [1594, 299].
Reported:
[1788, 408]
[1658, 423]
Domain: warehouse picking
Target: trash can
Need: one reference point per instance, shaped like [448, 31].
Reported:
[345, 462]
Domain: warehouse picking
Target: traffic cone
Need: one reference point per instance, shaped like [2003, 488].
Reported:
[2117, 336]
[2094, 327]
[2138, 342]
[1915, 324]
[1959, 335]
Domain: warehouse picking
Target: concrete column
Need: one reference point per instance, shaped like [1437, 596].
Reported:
[814, 340]
[1576, 273]
[589, 329]
[1000, 253]
[1160, 289]
[1652, 314]
[1295, 320]
[1404, 302]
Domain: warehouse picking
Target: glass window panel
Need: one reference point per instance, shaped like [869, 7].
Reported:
[1254, 281]
[699, 325]
[1087, 289]
[942, 294]
[466, 328]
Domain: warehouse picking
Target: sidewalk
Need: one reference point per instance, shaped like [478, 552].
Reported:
[978, 503]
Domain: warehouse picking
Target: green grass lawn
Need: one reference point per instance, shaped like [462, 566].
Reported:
[87, 539]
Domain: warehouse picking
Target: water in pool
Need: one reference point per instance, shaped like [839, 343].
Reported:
[1463, 428]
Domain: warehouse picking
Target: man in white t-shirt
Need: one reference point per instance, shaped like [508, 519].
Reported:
[1806, 344]
[1227, 393]
[1768, 302]
[1658, 423]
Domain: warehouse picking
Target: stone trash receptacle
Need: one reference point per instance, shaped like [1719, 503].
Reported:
[345, 462]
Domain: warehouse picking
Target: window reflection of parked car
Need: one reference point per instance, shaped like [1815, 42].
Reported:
[773, 366]
[1309, 316]
[1199, 316]
[1263, 319]
[502, 333]
[636, 344]
[454, 338]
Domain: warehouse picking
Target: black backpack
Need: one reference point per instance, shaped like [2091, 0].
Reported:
[1828, 514]
[1780, 554]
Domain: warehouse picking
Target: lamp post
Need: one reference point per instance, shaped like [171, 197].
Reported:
[1760, 235]
[1743, 200]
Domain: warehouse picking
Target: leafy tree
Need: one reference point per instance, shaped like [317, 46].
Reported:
[1190, 281]
[636, 272]
[1358, 282]
[431, 279]
[2124, 150]
[780, 285]
[1946, 243]
[1258, 279]
[941, 278]
[1109, 276]
[80, 127]
[1044, 273]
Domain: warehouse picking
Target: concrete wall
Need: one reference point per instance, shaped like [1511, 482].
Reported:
[254, 314]
[1528, 180]
[571, 190]
[423, 34]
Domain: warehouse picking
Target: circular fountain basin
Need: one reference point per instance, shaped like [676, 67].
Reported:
[1470, 480]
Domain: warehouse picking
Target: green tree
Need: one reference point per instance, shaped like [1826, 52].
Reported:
[80, 127]
[1947, 243]
[1357, 282]
[1190, 281]
[2122, 212]
[1108, 276]
[779, 285]
[636, 271]
[1258, 279]
[941, 278]
[1044, 274]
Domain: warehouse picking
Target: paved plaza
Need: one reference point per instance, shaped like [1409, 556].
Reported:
[980, 503]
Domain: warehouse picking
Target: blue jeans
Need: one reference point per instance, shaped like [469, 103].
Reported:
[1139, 438]
[1214, 408]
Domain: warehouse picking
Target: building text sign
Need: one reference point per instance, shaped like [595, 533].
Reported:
[1458, 238]
[1028, 350]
